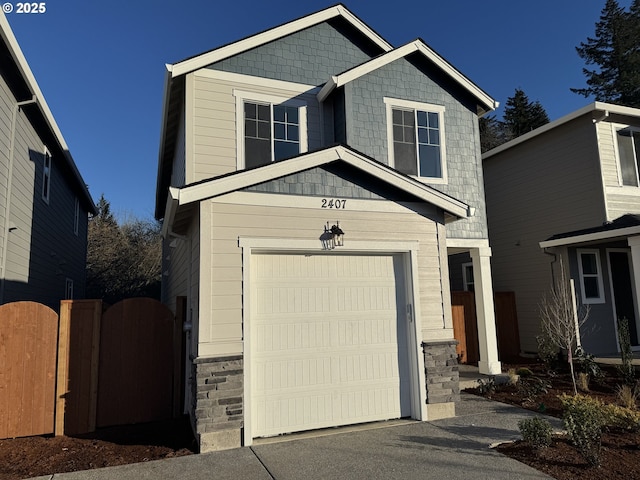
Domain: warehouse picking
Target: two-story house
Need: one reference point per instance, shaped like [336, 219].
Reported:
[44, 202]
[313, 180]
[570, 191]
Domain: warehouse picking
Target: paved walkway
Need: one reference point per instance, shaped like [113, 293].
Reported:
[450, 449]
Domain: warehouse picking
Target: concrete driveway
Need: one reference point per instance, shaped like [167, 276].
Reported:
[451, 449]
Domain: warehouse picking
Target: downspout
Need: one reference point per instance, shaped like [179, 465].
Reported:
[7, 207]
[555, 259]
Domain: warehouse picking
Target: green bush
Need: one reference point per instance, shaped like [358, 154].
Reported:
[536, 431]
[548, 351]
[621, 417]
[524, 372]
[486, 386]
[530, 387]
[584, 419]
[626, 369]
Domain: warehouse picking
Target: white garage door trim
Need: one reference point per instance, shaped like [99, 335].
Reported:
[409, 251]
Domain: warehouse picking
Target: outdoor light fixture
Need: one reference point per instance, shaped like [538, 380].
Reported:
[337, 234]
[332, 237]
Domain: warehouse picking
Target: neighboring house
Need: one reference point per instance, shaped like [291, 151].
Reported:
[43, 200]
[269, 147]
[570, 190]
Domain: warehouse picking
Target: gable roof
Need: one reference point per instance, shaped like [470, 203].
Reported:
[604, 109]
[180, 197]
[197, 62]
[417, 46]
[23, 84]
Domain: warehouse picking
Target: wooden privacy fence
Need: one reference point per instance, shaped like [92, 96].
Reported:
[28, 337]
[465, 326]
[113, 368]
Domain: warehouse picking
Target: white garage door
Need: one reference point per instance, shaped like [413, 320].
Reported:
[327, 346]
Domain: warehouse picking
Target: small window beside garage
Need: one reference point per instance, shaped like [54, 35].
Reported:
[590, 276]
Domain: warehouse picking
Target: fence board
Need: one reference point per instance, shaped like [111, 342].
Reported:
[78, 351]
[28, 340]
[136, 363]
[465, 329]
[507, 326]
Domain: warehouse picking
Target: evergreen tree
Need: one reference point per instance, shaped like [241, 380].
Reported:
[613, 51]
[521, 115]
[493, 133]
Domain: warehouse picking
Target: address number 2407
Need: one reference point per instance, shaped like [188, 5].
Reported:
[334, 203]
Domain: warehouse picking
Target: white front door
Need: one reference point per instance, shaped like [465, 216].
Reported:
[328, 340]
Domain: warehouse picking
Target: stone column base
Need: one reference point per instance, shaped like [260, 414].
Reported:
[218, 411]
[441, 373]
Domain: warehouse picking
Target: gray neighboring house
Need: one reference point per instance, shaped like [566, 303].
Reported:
[44, 203]
[570, 190]
[270, 147]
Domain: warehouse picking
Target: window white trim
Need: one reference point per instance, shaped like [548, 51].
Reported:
[76, 215]
[598, 275]
[466, 281]
[68, 289]
[243, 96]
[425, 107]
[615, 128]
[46, 176]
[409, 251]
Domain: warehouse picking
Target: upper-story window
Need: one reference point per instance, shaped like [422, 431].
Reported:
[46, 176]
[415, 134]
[590, 276]
[628, 152]
[270, 129]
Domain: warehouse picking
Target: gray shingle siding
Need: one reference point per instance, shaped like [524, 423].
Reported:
[315, 182]
[367, 131]
[309, 56]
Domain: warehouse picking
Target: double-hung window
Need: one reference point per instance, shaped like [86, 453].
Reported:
[415, 134]
[46, 176]
[628, 153]
[590, 276]
[271, 129]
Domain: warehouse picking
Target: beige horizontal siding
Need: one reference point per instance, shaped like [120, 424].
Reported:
[222, 271]
[214, 122]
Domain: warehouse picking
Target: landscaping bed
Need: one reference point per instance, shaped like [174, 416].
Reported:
[620, 451]
[45, 455]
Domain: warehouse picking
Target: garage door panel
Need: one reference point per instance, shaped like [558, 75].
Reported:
[325, 337]
[284, 414]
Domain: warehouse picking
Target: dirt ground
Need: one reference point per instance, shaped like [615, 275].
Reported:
[35, 456]
[620, 454]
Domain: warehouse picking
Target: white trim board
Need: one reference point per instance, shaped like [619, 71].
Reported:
[254, 82]
[605, 108]
[246, 178]
[409, 250]
[416, 46]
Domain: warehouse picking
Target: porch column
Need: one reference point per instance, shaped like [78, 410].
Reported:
[483, 287]
[634, 243]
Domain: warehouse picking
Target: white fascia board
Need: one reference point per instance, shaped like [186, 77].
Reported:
[230, 50]
[14, 48]
[247, 178]
[454, 73]
[165, 113]
[173, 202]
[593, 107]
[403, 51]
[590, 237]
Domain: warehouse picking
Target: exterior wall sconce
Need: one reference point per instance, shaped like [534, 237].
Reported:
[332, 237]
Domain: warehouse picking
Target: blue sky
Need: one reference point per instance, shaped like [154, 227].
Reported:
[101, 68]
